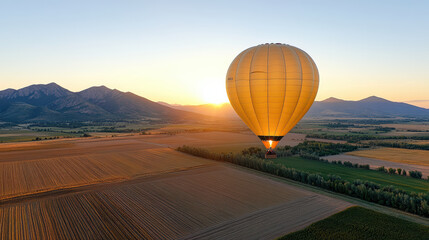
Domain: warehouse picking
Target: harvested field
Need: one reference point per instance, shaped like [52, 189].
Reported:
[212, 201]
[422, 142]
[408, 127]
[219, 141]
[26, 169]
[399, 155]
[375, 163]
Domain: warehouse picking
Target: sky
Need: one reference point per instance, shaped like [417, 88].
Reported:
[179, 51]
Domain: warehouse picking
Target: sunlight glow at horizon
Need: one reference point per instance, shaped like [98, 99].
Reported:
[213, 92]
[179, 52]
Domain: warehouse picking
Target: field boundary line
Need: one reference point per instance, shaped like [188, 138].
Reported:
[94, 186]
[356, 201]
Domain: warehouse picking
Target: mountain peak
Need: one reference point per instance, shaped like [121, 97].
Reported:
[97, 92]
[332, 99]
[373, 99]
[40, 90]
[98, 88]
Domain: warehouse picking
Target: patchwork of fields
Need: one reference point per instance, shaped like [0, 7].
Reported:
[219, 141]
[400, 155]
[375, 163]
[351, 174]
[83, 162]
[132, 188]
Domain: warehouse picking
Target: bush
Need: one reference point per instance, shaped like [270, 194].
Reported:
[348, 164]
[381, 169]
[364, 166]
[321, 149]
[415, 174]
[392, 170]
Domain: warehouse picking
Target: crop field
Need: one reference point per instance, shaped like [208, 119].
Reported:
[408, 156]
[422, 142]
[351, 174]
[360, 223]
[32, 167]
[214, 200]
[375, 163]
[219, 141]
[409, 127]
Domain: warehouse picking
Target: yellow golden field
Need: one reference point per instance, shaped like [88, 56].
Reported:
[36, 168]
[137, 187]
[406, 127]
[408, 156]
[199, 201]
[219, 141]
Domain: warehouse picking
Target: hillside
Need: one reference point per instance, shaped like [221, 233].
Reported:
[331, 107]
[52, 102]
[368, 107]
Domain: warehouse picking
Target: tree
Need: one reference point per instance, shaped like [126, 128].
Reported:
[415, 174]
[381, 169]
[399, 171]
[392, 170]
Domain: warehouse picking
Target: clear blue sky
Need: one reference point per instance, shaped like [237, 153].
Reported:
[177, 51]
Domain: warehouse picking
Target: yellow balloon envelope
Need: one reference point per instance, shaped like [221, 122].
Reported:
[271, 87]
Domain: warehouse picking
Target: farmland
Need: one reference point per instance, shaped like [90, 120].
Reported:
[360, 223]
[375, 163]
[134, 188]
[218, 141]
[82, 162]
[351, 174]
[408, 156]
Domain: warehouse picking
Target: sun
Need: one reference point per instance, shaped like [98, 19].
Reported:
[213, 92]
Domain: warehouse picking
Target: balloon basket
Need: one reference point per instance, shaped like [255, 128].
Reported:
[270, 154]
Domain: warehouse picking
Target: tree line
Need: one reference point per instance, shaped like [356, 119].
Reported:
[351, 138]
[416, 203]
[314, 150]
[399, 145]
[309, 148]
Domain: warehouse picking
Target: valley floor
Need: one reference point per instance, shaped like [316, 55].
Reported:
[133, 188]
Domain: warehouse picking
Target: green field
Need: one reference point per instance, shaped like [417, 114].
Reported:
[351, 174]
[361, 223]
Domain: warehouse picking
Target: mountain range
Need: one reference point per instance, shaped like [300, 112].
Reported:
[54, 103]
[371, 107]
[368, 107]
[51, 102]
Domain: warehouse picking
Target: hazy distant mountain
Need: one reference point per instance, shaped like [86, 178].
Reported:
[332, 100]
[331, 107]
[368, 107]
[51, 102]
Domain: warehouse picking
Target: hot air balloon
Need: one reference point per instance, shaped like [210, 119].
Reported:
[271, 87]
